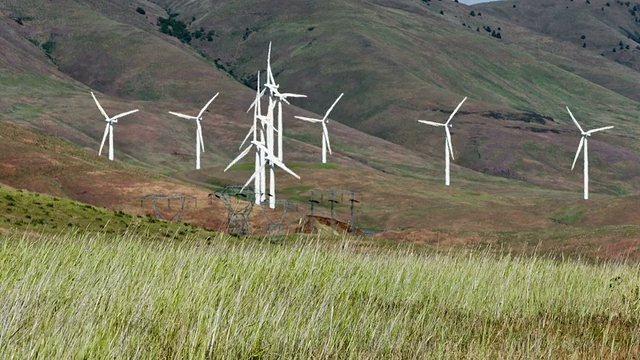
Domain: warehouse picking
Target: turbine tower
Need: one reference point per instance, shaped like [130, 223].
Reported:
[198, 119]
[448, 148]
[325, 133]
[584, 144]
[108, 131]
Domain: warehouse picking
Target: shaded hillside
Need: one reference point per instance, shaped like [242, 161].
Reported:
[608, 28]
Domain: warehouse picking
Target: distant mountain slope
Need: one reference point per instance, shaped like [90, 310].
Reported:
[397, 61]
[608, 28]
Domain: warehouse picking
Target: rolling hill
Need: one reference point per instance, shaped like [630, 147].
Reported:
[397, 61]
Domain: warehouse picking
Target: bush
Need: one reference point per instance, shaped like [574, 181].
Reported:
[140, 11]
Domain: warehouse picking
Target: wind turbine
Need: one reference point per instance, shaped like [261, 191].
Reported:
[108, 131]
[265, 147]
[448, 149]
[325, 133]
[584, 143]
[198, 119]
[279, 97]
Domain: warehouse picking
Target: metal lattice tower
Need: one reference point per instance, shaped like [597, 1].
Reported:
[239, 204]
[154, 199]
[275, 220]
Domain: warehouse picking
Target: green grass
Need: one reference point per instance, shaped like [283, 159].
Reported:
[569, 215]
[315, 166]
[32, 212]
[293, 190]
[96, 296]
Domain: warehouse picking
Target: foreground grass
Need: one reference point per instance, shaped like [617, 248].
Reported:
[92, 296]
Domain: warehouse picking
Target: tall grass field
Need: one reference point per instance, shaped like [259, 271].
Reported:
[94, 296]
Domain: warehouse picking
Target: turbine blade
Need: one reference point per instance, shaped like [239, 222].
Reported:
[261, 146]
[206, 106]
[308, 119]
[326, 115]
[100, 107]
[456, 110]
[286, 95]
[431, 123]
[242, 154]
[284, 167]
[253, 128]
[188, 117]
[446, 128]
[104, 138]
[124, 114]
[281, 98]
[255, 102]
[325, 134]
[599, 129]
[252, 177]
[578, 152]
[270, 79]
[575, 121]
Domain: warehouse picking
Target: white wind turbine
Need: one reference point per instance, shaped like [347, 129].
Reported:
[325, 133]
[198, 119]
[448, 148]
[108, 131]
[266, 146]
[584, 143]
[279, 97]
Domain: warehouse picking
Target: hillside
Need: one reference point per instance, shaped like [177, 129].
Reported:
[397, 61]
[404, 61]
[610, 29]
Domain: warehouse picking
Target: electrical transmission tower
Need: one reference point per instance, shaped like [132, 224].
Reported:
[275, 216]
[155, 197]
[333, 197]
[239, 204]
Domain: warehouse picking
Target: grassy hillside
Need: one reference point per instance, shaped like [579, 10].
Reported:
[36, 215]
[399, 61]
[610, 29]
